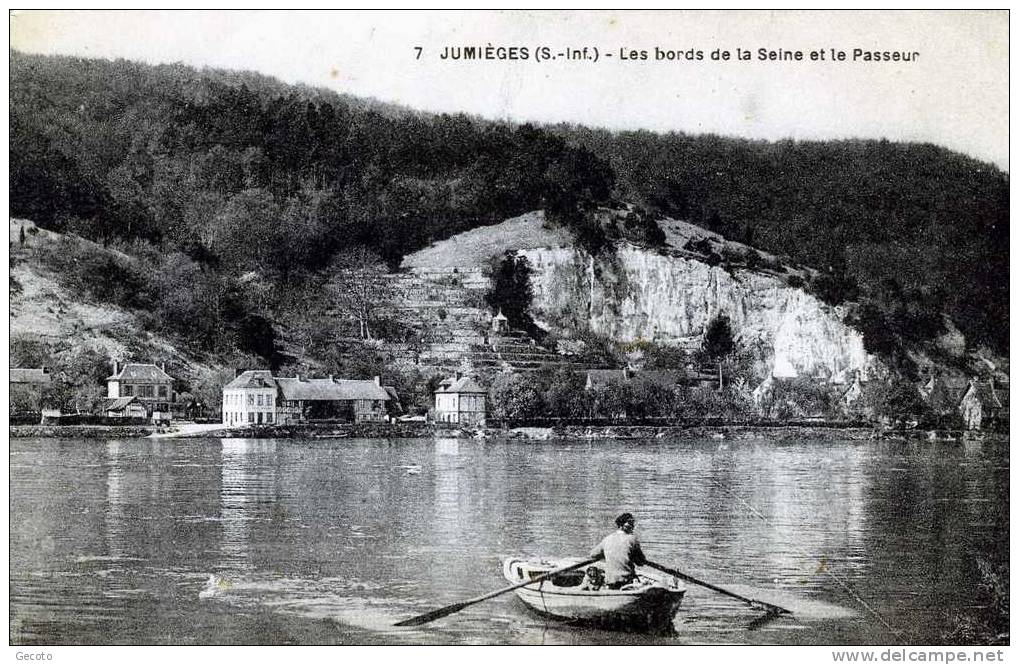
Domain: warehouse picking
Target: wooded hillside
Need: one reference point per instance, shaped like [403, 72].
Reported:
[238, 195]
[909, 230]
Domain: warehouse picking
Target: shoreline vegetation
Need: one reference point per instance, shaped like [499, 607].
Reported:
[777, 431]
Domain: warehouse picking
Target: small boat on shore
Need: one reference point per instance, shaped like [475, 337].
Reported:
[649, 605]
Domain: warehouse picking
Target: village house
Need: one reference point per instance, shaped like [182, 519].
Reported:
[250, 399]
[460, 400]
[980, 403]
[350, 400]
[150, 384]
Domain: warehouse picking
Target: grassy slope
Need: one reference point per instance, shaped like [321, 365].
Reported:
[42, 309]
[475, 247]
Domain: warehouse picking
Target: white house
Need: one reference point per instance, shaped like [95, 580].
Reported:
[460, 400]
[250, 399]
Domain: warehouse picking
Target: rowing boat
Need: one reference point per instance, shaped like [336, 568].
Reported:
[650, 604]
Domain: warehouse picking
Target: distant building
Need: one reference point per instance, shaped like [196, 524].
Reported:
[250, 399]
[598, 378]
[853, 394]
[460, 400]
[971, 407]
[500, 323]
[26, 388]
[30, 376]
[978, 402]
[150, 384]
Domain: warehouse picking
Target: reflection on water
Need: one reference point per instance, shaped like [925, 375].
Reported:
[261, 541]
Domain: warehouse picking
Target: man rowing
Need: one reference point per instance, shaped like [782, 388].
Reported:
[622, 553]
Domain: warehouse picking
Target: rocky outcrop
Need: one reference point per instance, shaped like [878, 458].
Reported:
[640, 294]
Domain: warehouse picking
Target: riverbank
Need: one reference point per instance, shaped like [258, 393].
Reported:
[776, 432]
[78, 432]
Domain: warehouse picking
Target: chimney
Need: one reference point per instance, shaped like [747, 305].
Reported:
[378, 381]
[162, 366]
[116, 367]
[330, 378]
[298, 377]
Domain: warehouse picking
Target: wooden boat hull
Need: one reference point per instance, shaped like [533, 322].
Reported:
[651, 607]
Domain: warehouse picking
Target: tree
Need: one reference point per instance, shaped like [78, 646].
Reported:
[515, 397]
[79, 381]
[207, 388]
[359, 286]
[565, 396]
[511, 292]
[718, 342]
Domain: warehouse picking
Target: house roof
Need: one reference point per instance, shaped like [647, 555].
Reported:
[252, 378]
[141, 372]
[949, 391]
[330, 390]
[464, 384]
[118, 403]
[992, 396]
[29, 375]
[1001, 391]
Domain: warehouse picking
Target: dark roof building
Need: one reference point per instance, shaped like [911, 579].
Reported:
[669, 377]
[140, 373]
[330, 390]
[345, 399]
[32, 376]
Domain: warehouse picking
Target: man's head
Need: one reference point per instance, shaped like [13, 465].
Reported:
[626, 522]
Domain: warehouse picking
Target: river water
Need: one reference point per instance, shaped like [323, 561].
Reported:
[209, 541]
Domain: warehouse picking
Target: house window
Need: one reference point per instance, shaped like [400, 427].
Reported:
[128, 391]
[259, 400]
[269, 399]
[251, 400]
[147, 391]
[162, 391]
[268, 417]
[251, 416]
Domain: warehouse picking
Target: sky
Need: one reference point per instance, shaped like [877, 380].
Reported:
[955, 94]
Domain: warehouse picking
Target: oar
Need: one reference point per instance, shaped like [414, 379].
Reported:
[456, 607]
[768, 607]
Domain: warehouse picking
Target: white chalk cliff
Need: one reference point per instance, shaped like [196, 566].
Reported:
[640, 294]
